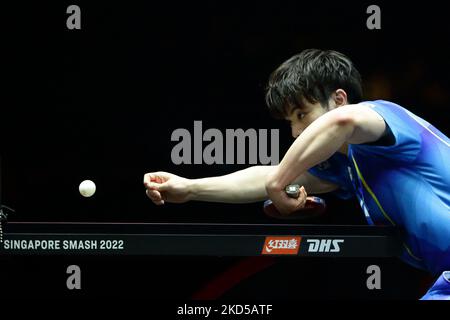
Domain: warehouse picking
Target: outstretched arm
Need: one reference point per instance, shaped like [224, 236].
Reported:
[325, 136]
[242, 186]
[248, 185]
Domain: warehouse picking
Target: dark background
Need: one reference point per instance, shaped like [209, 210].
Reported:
[101, 103]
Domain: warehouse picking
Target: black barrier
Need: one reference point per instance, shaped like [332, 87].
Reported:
[200, 239]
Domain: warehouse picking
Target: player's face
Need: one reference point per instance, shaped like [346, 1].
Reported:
[300, 119]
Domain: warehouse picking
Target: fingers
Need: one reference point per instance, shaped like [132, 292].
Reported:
[152, 179]
[303, 195]
[157, 187]
[147, 179]
[155, 196]
[152, 186]
[303, 192]
[155, 183]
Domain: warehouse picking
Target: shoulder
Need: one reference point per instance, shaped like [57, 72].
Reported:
[368, 124]
[361, 112]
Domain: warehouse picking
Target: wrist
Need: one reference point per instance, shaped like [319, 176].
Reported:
[192, 189]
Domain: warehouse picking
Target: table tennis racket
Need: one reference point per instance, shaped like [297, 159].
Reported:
[313, 208]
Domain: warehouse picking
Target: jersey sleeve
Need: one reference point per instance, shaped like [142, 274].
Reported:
[404, 128]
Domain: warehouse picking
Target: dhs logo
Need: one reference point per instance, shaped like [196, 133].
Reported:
[324, 245]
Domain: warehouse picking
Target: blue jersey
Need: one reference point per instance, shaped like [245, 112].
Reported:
[406, 184]
[440, 289]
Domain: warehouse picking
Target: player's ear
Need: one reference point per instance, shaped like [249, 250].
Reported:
[340, 98]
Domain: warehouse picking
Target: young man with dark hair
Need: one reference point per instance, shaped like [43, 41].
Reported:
[395, 162]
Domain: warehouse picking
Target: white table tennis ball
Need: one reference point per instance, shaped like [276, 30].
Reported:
[87, 188]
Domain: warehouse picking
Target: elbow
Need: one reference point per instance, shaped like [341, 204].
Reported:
[272, 182]
[344, 121]
[344, 117]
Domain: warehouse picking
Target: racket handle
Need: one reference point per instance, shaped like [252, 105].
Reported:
[292, 190]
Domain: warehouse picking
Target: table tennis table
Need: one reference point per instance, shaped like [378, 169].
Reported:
[198, 239]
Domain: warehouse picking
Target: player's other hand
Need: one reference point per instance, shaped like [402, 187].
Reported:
[164, 186]
[287, 205]
[282, 202]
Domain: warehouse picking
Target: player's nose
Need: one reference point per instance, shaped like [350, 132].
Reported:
[296, 133]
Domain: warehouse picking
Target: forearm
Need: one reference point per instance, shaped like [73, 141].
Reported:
[317, 143]
[242, 186]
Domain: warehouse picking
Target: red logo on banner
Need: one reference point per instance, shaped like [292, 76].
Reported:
[281, 245]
